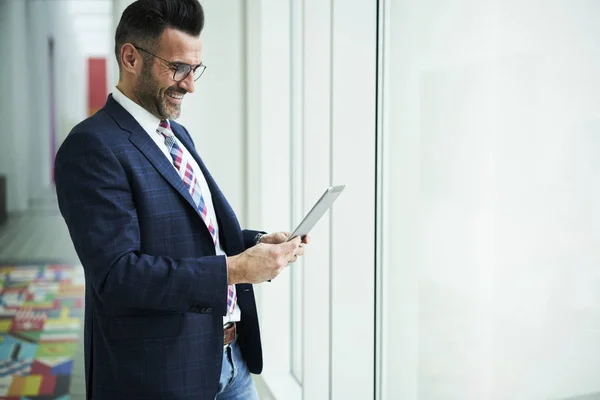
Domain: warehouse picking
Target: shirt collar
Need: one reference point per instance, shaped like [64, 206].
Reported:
[147, 121]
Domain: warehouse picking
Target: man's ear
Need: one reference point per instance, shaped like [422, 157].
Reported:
[130, 58]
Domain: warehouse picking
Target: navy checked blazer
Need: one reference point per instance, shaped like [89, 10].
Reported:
[156, 293]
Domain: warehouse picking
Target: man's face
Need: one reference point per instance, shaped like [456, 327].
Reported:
[155, 88]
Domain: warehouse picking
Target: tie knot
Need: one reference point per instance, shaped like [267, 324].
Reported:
[164, 123]
[164, 128]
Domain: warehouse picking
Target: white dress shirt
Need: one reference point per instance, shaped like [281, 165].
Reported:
[149, 123]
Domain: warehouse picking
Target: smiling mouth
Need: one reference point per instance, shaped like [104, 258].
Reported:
[175, 96]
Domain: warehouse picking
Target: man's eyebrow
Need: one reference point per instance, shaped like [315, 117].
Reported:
[183, 62]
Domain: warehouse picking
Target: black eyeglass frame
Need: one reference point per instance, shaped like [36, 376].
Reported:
[177, 67]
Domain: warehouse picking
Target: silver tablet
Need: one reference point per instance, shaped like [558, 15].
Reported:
[318, 210]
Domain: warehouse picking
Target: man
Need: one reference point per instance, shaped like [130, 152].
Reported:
[170, 310]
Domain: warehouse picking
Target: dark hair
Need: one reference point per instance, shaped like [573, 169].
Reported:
[144, 21]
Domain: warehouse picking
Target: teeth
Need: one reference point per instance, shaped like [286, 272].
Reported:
[176, 96]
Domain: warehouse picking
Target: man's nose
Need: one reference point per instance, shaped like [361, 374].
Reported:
[188, 83]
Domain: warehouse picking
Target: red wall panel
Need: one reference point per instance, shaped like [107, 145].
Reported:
[97, 90]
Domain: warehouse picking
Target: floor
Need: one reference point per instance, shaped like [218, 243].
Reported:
[40, 234]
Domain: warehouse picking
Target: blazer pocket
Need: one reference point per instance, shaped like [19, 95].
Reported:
[147, 327]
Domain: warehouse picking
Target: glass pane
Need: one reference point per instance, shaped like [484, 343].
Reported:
[297, 320]
[297, 168]
[495, 135]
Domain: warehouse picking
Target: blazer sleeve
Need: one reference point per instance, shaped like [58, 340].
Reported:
[96, 202]
[249, 236]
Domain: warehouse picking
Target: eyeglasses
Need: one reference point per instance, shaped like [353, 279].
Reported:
[180, 70]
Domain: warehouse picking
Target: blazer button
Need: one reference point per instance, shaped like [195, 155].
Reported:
[193, 309]
[206, 310]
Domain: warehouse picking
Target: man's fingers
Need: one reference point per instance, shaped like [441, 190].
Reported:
[285, 252]
[281, 237]
[295, 242]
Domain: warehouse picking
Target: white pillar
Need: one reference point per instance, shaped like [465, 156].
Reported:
[39, 133]
[70, 73]
[5, 111]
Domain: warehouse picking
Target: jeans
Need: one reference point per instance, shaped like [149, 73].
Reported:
[236, 382]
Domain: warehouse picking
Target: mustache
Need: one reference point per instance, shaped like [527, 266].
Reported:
[176, 90]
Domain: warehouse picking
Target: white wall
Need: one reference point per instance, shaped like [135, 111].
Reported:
[14, 152]
[492, 286]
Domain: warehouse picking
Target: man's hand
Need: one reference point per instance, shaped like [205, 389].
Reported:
[266, 260]
[280, 237]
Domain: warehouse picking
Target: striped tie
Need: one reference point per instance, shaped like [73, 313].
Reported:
[188, 176]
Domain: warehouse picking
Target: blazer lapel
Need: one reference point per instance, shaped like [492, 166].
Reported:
[140, 139]
[225, 214]
[146, 145]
